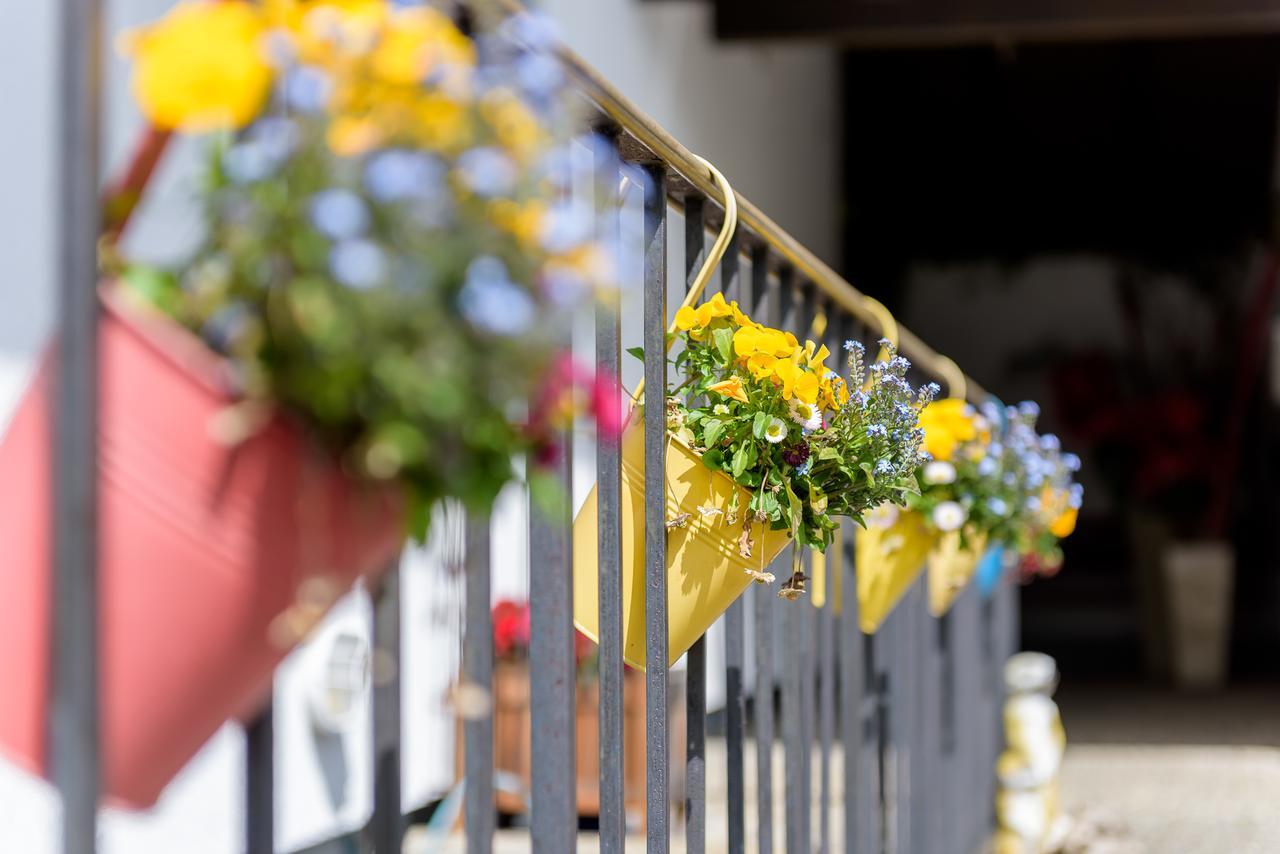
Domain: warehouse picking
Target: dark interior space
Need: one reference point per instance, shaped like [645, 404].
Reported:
[1117, 197]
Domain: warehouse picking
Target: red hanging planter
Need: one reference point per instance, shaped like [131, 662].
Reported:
[214, 557]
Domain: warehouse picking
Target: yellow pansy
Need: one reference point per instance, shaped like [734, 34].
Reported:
[202, 67]
[739, 316]
[524, 221]
[746, 341]
[797, 383]
[809, 356]
[417, 42]
[515, 126]
[834, 393]
[807, 387]
[731, 388]
[349, 136]
[761, 365]
[686, 318]
[946, 423]
[1065, 523]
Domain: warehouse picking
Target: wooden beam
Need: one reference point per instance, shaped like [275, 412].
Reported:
[906, 23]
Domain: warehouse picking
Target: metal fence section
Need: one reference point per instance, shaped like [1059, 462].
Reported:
[888, 741]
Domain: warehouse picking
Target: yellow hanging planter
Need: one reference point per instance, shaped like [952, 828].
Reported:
[889, 560]
[951, 568]
[705, 572]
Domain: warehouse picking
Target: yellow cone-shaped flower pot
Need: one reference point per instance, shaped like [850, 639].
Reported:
[889, 560]
[705, 573]
[951, 567]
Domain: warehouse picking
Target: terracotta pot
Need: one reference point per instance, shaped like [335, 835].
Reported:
[512, 745]
[214, 559]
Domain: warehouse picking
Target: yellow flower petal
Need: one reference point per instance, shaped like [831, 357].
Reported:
[202, 67]
[731, 388]
[1065, 523]
[686, 318]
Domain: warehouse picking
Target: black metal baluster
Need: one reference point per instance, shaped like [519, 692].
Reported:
[826, 634]
[763, 602]
[553, 683]
[386, 828]
[854, 719]
[477, 670]
[734, 644]
[259, 783]
[73, 709]
[613, 819]
[658, 751]
[793, 662]
[807, 625]
[695, 795]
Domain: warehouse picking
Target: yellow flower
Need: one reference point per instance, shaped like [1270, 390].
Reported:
[807, 387]
[349, 136]
[686, 318]
[797, 383]
[731, 388]
[946, 423]
[440, 122]
[415, 43]
[516, 128]
[202, 67]
[746, 341]
[1065, 523]
[834, 392]
[524, 221]
[761, 365]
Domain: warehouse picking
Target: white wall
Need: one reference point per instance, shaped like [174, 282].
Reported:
[766, 116]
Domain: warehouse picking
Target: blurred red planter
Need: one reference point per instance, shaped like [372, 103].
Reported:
[213, 559]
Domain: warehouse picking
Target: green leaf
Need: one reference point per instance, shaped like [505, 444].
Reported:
[871, 480]
[638, 352]
[740, 460]
[830, 454]
[795, 509]
[759, 424]
[714, 459]
[724, 343]
[711, 430]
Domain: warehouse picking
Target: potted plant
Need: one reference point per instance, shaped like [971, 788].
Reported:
[992, 485]
[512, 752]
[379, 288]
[765, 447]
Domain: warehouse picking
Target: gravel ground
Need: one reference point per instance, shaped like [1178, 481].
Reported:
[1191, 775]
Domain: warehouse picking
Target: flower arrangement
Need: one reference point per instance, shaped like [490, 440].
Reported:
[1012, 487]
[807, 443]
[383, 256]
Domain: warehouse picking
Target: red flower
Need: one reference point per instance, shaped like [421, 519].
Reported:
[510, 628]
[563, 389]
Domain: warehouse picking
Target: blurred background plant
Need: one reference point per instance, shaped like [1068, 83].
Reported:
[387, 255]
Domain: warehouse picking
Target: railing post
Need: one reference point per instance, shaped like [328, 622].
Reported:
[658, 750]
[553, 683]
[259, 784]
[609, 497]
[695, 781]
[73, 709]
[763, 604]
[386, 829]
[734, 647]
[477, 670]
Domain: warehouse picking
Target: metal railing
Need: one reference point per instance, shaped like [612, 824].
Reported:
[914, 709]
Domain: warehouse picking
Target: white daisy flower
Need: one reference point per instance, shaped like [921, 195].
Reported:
[939, 472]
[949, 516]
[807, 415]
[882, 517]
[776, 431]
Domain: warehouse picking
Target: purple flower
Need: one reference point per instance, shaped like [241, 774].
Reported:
[796, 455]
[358, 263]
[398, 174]
[339, 214]
[487, 171]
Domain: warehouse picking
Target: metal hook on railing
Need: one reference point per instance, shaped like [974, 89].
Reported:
[714, 255]
[888, 326]
[957, 385]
